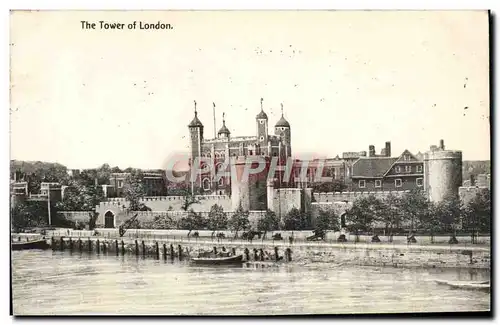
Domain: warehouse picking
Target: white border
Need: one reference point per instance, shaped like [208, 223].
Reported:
[200, 5]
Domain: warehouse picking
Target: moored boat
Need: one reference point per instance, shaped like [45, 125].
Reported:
[469, 285]
[227, 260]
[34, 244]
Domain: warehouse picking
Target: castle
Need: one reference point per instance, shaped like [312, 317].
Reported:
[224, 146]
[438, 172]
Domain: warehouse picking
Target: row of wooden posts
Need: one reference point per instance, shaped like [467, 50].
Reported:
[258, 254]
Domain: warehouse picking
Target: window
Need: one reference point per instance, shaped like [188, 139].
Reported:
[378, 183]
[206, 184]
[419, 169]
[250, 152]
[120, 184]
[398, 182]
[397, 169]
[406, 157]
[261, 121]
[261, 138]
[408, 169]
[221, 181]
[362, 184]
[420, 182]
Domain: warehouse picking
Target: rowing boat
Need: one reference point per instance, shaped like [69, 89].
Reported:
[35, 244]
[469, 285]
[230, 260]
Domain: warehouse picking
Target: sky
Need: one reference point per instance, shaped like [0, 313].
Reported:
[346, 79]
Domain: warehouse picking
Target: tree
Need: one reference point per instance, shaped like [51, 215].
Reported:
[414, 207]
[448, 212]
[477, 214]
[188, 200]
[239, 220]
[268, 222]
[391, 215]
[29, 215]
[133, 191]
[363, 213]
[192, 221]
[80, 196]
[217, 219]
[294, 220]
[327, 220]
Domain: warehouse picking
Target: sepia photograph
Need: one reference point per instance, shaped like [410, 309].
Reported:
[250, 163]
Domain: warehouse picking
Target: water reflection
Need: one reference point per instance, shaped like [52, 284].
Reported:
[47, 282]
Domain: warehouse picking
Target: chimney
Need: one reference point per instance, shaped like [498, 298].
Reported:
[388, 149]
[371, 151]
[441, 144]
[433, 148]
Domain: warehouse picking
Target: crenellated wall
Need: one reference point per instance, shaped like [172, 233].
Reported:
[352, 196]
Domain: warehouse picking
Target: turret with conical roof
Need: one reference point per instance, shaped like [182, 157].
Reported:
[262, 125]
[196, 135]
[282, 128]
[224, 131]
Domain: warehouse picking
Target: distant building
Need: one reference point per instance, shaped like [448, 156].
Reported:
[385, 173]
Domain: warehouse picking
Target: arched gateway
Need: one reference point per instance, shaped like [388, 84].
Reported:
[109, 220]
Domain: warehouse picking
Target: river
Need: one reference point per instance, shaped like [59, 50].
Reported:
[61, 283]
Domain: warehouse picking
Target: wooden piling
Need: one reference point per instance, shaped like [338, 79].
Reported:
[247, 254]
[255, 256]
[172, 251]
[289, 254]
[70, 244]
[116, 247]
[164, 250]
[136, 248]
[233, 251]
[215, 250]
[180, 251]
[261, 254]
[52, 243]
[143, 249]
[19, 238]
[90, 245]
[104, 247]
[61, 244]
[157, 251]
[80, 244]
[276, 253]
[98, 246]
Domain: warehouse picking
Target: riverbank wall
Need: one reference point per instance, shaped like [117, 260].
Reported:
[363, 254]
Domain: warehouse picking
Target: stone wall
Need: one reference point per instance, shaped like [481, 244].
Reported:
[352, 196]
[467, 193]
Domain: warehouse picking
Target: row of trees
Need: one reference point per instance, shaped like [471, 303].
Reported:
[415, 213]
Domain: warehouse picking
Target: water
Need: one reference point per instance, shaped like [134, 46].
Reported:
[60, 283]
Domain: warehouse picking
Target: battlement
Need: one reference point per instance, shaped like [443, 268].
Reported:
[351, 196]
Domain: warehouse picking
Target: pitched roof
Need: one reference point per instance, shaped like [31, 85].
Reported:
[372, 166]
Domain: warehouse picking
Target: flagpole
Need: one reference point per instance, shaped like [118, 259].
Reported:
[215, 135]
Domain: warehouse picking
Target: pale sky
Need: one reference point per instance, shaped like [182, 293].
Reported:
[346, 79]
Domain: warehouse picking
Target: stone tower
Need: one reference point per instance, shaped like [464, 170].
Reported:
[195, 137]
[282, 128]
[442, 173]
[262, 126]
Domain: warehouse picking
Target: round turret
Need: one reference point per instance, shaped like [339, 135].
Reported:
[442, 173]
